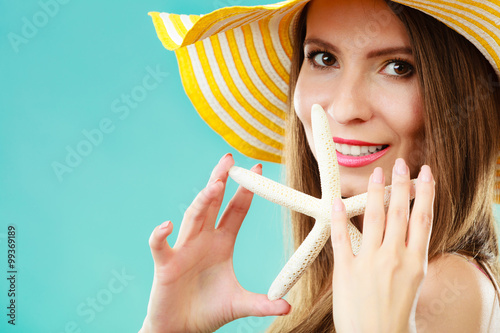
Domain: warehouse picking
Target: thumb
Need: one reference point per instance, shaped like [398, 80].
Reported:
[259, 305]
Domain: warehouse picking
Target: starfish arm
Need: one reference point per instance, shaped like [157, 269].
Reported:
[320, 209]
[356, 237]
[275, 192]
[354, 234]
[356, 205]
[301, 259]
[326, 155]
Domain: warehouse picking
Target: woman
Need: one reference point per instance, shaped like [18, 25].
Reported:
[390, 77]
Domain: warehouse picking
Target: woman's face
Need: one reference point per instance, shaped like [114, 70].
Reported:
[358, 66]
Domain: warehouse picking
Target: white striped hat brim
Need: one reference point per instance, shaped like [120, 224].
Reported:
[235, 63]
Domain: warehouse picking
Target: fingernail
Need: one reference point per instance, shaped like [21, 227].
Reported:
[223, 157]
[378, 176]
[216, 181]
[165, 225]
[285, 313]
[338, 206]
[400, 167]
[425, 174]
[257, 166]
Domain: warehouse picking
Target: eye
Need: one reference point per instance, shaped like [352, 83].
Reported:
[398, 68]
[325, 59]
[322, 59]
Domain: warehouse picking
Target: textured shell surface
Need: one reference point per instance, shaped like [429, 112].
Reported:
[319, 209]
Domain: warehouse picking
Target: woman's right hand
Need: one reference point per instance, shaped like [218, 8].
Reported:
[194, 287]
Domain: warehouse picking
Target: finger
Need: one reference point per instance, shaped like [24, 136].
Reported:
[341, 242]
[397, 215]
[220, 170]
[422, 214]
[238, 207]
[374, 220]
[196, 214]
[158, 242]
[259, 305]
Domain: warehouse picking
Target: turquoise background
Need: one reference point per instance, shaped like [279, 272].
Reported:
[78, 230]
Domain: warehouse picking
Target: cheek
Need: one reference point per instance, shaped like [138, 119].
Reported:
[303, 99]
[414, 119]
[308, 91]
[415, 144]
[301, 102]
[407, 123]
[403, 111]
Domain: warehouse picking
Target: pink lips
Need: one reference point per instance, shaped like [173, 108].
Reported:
[358, 161]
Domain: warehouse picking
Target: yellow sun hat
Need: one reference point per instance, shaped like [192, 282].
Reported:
[235, 63]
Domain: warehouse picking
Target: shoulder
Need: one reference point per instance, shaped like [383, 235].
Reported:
[457, 297]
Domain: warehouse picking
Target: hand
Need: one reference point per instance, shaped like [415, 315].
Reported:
[194, 287]
[377, 290]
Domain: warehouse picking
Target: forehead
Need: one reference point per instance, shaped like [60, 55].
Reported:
[358, 23]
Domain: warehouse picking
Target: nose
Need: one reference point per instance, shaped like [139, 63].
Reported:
[349, 102]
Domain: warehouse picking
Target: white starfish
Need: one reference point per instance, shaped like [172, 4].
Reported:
[320, 209]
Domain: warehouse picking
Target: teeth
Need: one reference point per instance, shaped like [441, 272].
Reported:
[346, 149]
[349, 150]
[355, 150]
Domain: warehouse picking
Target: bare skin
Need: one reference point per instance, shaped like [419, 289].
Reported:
[371, 94]
[198, 270]
[194, 287]
[377, 290]
[387, 273]
[368, 98]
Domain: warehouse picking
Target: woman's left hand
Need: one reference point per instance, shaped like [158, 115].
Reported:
[377, 290]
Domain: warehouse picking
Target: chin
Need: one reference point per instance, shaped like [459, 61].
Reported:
[352, 185]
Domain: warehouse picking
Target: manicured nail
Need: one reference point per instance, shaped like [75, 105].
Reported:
[223, 157]
[378, 176]
[257, 166]
[285, 313]
[400, 167]
[338, 206]
[165, 225]
[425, 174]
[216, 181]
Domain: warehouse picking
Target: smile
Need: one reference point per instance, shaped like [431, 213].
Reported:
[353, 153]
[350, 150]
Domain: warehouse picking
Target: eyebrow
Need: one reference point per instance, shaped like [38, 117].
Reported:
[389, 50]
[321, 43]
[372, 54]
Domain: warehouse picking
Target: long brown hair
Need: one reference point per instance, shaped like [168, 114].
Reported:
[460, 144]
